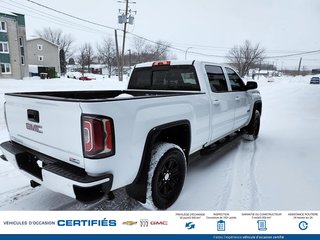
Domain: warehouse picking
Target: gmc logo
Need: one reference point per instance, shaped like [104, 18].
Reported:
[34, 127]
[159, 223]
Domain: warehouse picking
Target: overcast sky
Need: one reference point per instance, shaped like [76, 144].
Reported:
[207, 26]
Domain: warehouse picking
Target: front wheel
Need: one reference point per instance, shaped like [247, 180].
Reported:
[252, 130]
[166, 176]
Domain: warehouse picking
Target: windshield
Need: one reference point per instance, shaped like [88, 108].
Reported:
[182, 77]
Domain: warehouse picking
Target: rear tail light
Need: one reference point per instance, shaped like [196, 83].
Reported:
[97, 136]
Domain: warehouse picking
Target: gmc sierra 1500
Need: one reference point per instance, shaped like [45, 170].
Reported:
[85, 144]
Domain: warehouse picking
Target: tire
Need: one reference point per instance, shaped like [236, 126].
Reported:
[252, 130]
[166, 176]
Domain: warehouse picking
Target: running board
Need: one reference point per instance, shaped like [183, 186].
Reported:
[225, 143]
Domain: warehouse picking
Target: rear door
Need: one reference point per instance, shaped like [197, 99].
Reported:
[240, 98]
[222, 109]
[50, 127]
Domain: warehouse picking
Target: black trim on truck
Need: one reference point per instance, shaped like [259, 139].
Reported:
[137, 189]
[102, 96]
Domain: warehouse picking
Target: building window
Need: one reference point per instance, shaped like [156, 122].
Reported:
[3, 26]
[4, 47]
[5, 68]
[20, 41]
[40, 47]
[40, 58]
[22, 60]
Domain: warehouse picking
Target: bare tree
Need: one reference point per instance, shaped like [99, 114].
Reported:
[107, 54]
[81, 59]
[245, 56]
[160, 50]
[89, 54]
[149, 52]
[140, 48]
[64, 41]
[85, 57]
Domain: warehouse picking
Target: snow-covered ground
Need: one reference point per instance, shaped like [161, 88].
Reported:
[277, 172]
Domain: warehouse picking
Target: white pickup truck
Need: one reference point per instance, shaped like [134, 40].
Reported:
[85, 144]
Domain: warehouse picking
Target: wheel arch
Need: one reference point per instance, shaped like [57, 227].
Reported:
[179, 133]
[258, 106]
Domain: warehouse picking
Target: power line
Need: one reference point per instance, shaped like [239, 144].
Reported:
[72, 16]
[108, 27]
[295, 54]
[154, 42]
[51, 18]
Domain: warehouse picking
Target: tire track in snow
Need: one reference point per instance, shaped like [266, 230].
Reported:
[242, 188]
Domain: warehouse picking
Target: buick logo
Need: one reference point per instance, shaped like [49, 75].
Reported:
[144, 222]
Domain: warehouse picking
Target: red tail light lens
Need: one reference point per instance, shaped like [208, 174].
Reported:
[161, 63]
[98, 136]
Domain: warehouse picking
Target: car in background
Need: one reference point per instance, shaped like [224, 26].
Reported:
[86, 78]
[74, 75]
[315, 80]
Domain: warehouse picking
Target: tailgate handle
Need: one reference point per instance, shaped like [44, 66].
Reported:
[33, 115]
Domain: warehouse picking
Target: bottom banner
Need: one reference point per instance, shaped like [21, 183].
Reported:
[159, 237]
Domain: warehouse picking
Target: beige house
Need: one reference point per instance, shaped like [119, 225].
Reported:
[13, 51]
[43, 57]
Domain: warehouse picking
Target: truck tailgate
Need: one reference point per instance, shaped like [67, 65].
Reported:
[49, 127]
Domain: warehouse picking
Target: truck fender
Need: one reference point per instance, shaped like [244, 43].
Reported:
[138, 188]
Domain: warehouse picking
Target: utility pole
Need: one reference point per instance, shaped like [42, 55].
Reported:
[125, 18]
[118, 58]
[129, 57]
[299, 66]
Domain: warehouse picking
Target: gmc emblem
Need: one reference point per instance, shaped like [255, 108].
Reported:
[34, 127]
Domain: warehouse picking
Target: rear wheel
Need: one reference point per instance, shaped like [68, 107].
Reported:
[252, 130]
[166, 176]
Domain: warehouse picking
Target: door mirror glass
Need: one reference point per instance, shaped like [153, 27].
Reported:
[251, 85]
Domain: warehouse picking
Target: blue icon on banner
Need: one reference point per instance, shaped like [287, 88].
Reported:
[221, 225]
[262, 225]
[190, 225]
[303, 225]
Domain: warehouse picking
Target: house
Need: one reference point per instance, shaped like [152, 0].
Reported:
[315, 71]
[13, 51]
[43, 57]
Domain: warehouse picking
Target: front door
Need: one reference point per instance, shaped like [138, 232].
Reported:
[240, 97]
[222, 109]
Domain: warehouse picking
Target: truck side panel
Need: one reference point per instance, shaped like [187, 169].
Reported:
[134, 119]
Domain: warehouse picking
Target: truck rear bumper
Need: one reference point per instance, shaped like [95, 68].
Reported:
[56, 175]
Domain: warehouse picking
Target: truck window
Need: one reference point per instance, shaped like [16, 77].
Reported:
[182, 77]
[216, 78]
[236, 82]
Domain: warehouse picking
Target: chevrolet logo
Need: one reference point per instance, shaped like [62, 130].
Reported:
[129, 223]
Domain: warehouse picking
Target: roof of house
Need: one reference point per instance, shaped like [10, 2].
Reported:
[41, 38]
[15, 16]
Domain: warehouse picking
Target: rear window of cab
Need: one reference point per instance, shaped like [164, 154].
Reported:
[165, 77]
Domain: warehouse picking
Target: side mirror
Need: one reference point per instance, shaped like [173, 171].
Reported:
[251, 85]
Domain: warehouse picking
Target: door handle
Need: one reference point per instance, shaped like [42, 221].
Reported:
[237, 98]
[216, 102]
